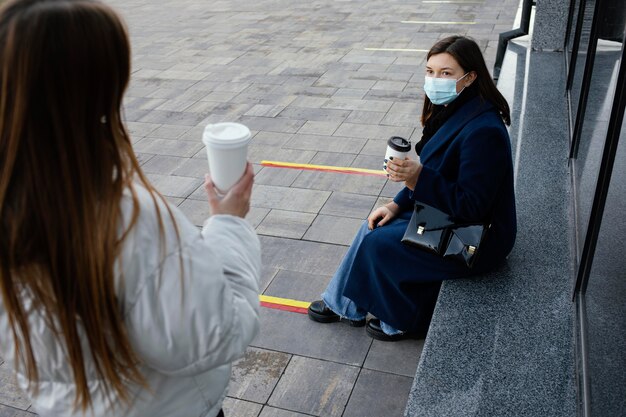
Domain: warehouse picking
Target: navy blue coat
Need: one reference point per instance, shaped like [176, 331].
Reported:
[468, 173]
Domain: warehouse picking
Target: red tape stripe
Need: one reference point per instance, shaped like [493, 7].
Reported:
[284, 307]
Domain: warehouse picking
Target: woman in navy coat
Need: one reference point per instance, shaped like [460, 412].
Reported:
[464, 168]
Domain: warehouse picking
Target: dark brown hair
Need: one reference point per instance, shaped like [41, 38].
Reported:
[467, 54]
[65, 160]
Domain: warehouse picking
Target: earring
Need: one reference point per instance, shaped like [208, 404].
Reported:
[103, 120]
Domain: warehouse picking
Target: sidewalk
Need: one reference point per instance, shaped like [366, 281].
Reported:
[321, 82]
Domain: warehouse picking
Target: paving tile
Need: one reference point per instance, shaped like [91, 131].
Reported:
[142, 158]
[326, 143]
[319, 128]
[296, 334]
[265, 110]
[138, 129]
[292, 199]
[169, 131]
[378, 394]
[194, 134]
[238, 408]
[349, 205]
[175, 201]
[369, 161]
[168, 147]
[174, 186]
[10, 394]
[354, 104]
[401, 120]
[256, 374]
[305, 387]
[163, 164]
[176, 105]
[389, 85]
[407, 108]
[282, 223]
[277, 412]
[301, 256]
[276, 176]
[376, 147]
[270, 139]
[274, 153]
[319, 92]
[391, 189]
[332, 181]
[297, 285]
[256, 215]
[333, 229]
[333, 159]
[197, 211]
[316, 114]
[268, 273]
[354, 130]
[6, 411]
[193, 167]
[357, 93]
[278, 124]
[369, 117]
[342, 82]
[400, 358]
[183, 118]
[142, 103]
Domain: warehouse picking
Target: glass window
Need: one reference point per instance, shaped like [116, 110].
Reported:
[595, 124]
[587, 7]
[605, 301]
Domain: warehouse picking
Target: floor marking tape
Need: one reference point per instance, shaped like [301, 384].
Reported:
[325, 168]
[284, 301]
[284, 308]
[284, 304]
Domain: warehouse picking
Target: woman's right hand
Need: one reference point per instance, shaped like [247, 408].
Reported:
[382, 215]
[236, 202]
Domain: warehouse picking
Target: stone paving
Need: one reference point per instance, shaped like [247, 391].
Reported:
[312, 83]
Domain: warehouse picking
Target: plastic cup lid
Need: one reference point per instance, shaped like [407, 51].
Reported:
[399, 144]
[226, 135]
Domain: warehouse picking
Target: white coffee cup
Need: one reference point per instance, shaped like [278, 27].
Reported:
[227, 152]
[397, 147]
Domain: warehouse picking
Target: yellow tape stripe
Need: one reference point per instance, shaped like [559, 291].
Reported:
[279, 164]
[283, 301]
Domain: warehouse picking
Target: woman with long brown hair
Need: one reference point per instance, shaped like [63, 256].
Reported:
[113, 303]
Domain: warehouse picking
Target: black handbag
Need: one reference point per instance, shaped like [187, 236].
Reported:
[436, 232]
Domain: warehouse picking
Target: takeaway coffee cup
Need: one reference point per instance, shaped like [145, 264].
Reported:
[227, 151]
[397, 147]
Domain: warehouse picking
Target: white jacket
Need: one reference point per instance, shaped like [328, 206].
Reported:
[186, 331]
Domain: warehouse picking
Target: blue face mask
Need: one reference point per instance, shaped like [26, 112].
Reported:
[441, 91]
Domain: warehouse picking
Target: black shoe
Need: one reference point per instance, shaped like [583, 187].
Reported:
[319, 312]
[375, 331]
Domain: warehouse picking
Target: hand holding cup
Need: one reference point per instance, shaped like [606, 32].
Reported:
[236, 201]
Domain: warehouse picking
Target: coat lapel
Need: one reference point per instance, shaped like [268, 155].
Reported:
[453, 126]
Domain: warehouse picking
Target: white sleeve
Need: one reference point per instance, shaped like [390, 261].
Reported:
[184, 326]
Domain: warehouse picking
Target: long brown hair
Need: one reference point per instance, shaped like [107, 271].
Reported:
[65, 160]
[467, 53]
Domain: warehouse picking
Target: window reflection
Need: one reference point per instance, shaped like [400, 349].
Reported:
[605, 300]
[595, 125]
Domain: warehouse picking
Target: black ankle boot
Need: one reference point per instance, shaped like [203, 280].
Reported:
[319, 312]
